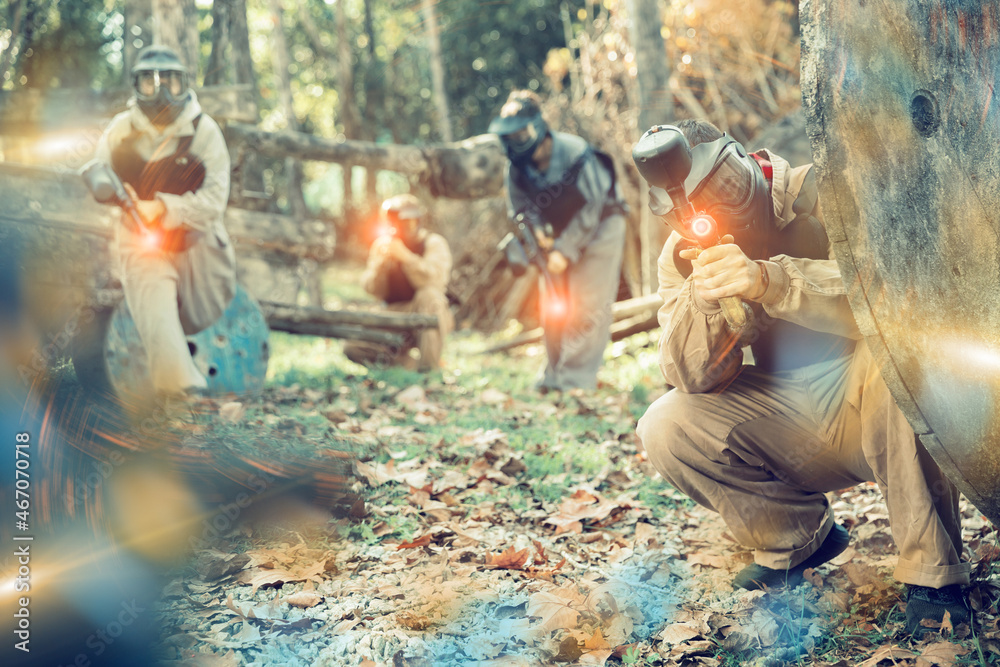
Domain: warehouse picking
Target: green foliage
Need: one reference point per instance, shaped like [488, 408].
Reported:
[490, 48]
[67, 44]
[632, 656]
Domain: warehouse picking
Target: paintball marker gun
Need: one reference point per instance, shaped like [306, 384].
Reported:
[521, 249]
[663, 157]
[107, 188]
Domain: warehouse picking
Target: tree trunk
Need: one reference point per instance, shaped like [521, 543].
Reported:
[279, 54]
[138, 31]
[653, 71]
[239, 36]
[217, 71]
[374, 104]
[175, 24]
[655, 102]
[347, 103]
[437, 71]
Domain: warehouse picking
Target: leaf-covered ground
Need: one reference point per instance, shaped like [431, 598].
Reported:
[501, 527]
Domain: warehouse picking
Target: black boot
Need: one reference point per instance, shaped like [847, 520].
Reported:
[754, 576]
[931, 603]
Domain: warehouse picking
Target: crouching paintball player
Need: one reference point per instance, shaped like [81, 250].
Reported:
[760, 444]
[177, 265]
[408, 268]
[565, 191]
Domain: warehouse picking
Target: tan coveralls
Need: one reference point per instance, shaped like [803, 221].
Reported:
[428, 274]
[762, 448]
[173, 294]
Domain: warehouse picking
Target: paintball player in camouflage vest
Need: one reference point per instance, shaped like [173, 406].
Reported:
[567, 193]
[408, 268]
[762, 443]
[179, 275]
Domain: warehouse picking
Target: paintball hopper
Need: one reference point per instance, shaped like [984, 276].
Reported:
[663, 157]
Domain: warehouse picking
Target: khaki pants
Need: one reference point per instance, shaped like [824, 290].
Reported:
[763, 452]
[429, 342]
[171, 295]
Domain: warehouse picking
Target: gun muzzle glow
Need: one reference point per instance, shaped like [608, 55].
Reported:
[705, 230]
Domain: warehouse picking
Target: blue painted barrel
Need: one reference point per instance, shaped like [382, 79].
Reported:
[232, 354]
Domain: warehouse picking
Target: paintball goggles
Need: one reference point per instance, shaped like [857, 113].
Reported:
[663, 157]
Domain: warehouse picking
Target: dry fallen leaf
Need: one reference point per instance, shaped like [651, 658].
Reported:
[419, 542]
[413, 621]
[554, 610]
[304, 599]
[232, 412]
[508, 560]
[892, 653]
[813, 578]
[942, 654]
[596, 641]
[258, 578]
[709, 560]
[678, 632]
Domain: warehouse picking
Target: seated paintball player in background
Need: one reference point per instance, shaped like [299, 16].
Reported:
[762, 443]
[567, 192]
[408, 268]
[180, 275]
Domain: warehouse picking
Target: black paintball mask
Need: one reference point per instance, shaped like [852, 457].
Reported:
[723, 182]
[520, 135]
[397, 214]
[161, 85]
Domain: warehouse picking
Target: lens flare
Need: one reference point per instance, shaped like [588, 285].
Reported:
[556, 307]
[151, 240]
[702, 226]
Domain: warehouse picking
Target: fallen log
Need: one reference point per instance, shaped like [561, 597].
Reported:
[467, 169]
[630, 317]
[381, 328]
[298, 315]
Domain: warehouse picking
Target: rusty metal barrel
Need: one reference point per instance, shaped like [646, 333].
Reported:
[232, 354]
[905, 128]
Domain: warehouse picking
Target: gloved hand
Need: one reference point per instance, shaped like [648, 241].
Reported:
[151, 210]
[723, 270]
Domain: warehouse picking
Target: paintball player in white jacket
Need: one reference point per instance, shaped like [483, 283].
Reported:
[180, 275]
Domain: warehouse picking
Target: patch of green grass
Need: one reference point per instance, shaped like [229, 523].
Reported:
[309, 361]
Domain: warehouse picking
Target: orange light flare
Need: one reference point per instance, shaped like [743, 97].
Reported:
[556, 307]
[151, 240]
[703, 227]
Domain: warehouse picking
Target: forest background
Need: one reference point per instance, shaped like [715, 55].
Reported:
[423, 73]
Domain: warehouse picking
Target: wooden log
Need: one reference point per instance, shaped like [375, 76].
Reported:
[29, 111]
[631, 326]
[383, 328]
[337, 331]
[631, 316]
[45, 197]
[636, 306]
[282, 312]
[468, 169]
